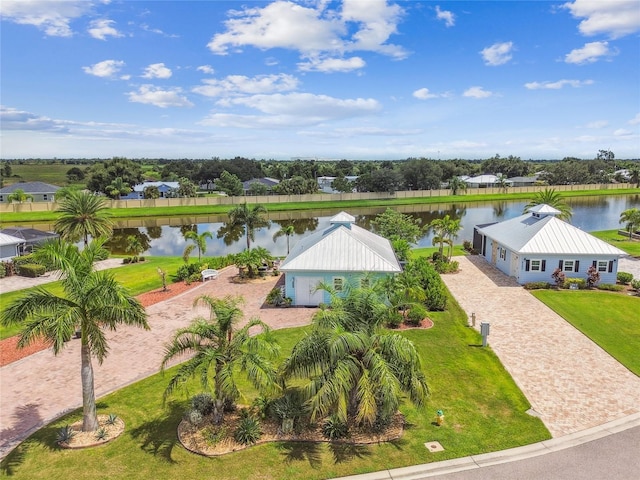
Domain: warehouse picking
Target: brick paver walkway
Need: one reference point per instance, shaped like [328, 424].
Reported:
[570, 382]
[41, 387]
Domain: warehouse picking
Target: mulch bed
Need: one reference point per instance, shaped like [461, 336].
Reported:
[9, 351]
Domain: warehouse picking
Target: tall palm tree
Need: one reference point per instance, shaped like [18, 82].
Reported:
[634, 175]
[117, 188]
[19, 195]
[287, 231]
[631, 217]
[200, 240]
[91, 302]
[502, 183]
[249, 218]
[456, 184]
[351, 368]
[550, 197]
[445, 229]
[81, 215]
[220, 352]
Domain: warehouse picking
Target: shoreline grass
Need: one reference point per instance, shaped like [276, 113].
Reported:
[123, 213]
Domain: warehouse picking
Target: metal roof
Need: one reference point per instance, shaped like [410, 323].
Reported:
[6, 239]
[528, 234]
[342, 247]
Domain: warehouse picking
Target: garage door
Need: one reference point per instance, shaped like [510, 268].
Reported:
[306, 293]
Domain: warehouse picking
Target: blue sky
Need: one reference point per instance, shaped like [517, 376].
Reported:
[356, 79]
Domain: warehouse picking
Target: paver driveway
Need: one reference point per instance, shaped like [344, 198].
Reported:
[41, 387]
[570, 382]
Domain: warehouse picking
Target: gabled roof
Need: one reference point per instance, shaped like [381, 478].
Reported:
[6, 239]
[30, 187]
[28, 234]
[141, 186]
[267, 181]
[342, 247]
[528, 234]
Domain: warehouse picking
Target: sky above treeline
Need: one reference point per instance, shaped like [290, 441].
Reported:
[351, 79]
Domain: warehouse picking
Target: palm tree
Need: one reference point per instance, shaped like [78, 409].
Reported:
[91, 302]
[452, 228]
[81, 215]
[634, 175]
[502, 182]
[456, 184]
[19, 195]
[631, 217]
[249, 218]
[550, 197]
[287, 231]
[445, 229]
[117, 187]
[220, 352]
[134, 245]
[352, 368]
[199, 240]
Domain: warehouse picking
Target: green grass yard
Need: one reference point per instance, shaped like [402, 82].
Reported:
[609, 319]
[484, 412]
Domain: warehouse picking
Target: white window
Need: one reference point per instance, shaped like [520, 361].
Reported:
[338, 284]
[44, 197]
[603, 266]
[567, 266]
[503, 253]
[536, 265]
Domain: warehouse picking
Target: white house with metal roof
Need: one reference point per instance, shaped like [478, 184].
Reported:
[530, 247]
[341, 254]
[10, 246]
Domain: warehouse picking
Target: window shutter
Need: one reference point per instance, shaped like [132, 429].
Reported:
[610, 266]
[544, 265]
[576, 266]
[560, 264]
[526, 265]
[594, 264]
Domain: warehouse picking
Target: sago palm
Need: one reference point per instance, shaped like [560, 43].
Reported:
[218, 352]
[92, 301]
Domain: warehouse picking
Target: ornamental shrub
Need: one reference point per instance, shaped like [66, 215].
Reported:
[537, 285]
[31, 270]
[3, 270]
[416, 314]
[334, 428]
[248, 431]
[635, 284]
[581, 282]
[203, 403]
[624, 278]
[432, 284]
[610, 287]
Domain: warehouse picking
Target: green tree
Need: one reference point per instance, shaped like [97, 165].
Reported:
[200, 241]
[258, 188]
[634, 175]
[92, 302]
[550, 197]
[101, 174]
[286, 231]
[117, 188]
[19, 195]
[249, 219]
[81, 215]
[445, 229]
[135, 246]
[151, 192]
[395, 225]
[631, 217]
[502, 183]
[186, 188]
[351, 368]
[229, 184]
[456, 184]
[75, 174]
[342, 185]
[219, 352]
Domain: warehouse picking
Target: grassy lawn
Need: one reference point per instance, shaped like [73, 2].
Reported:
[138, 278]
[609, 319]
[484, 411]
[632, 247]
[429, 251]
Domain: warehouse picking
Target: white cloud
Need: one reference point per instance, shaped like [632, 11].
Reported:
[105, 69]
[13, 119]
[147, 28]
[157, 70]
[635, 120]
[53, 17]
[590, 53]
[448, 17]
[477, 92]
[364, 26]
[557, 85]
[328, 65]
[497, 54]
[597, 124]
[208, 69]
[291, 110]
[103, 28]
[621, 132]
[242, 85]
[615, 18]
[163, 98]
[425, 94]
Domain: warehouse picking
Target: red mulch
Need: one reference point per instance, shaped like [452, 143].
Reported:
[9, 352]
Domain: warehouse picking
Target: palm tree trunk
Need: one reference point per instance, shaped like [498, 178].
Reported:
[248, 241]
[89, 416]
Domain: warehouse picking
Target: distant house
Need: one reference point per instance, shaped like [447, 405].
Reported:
[9, 246]
[341, 254]
[325, 183]
[530, 247]
[484, 181]
[266, 181]
[523, 181]
[30, 236]
[138, 190]
[40, 191]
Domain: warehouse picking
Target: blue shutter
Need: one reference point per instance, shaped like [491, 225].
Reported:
[544, 265]
[576, 266]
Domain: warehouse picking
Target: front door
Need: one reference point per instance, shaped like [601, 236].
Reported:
[306, 293]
